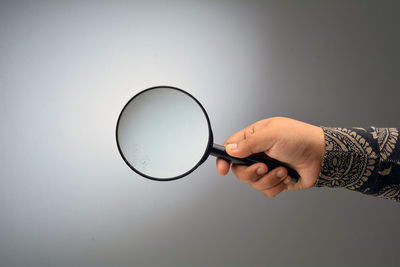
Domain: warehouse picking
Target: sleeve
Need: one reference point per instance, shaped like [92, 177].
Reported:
[364, 160]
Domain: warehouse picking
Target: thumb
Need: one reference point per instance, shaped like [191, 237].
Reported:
[254, 142]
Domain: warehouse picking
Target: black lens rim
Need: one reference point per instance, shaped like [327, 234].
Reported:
[206, 152]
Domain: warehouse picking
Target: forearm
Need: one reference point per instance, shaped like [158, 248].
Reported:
[364, 160]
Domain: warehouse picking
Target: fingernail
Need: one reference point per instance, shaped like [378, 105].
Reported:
[287, 181]
[260, 171]
[280, 173]
[231, 146]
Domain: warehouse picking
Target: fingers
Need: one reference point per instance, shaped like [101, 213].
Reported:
[257, 176]
[271, 179]
[236, 137]
[272, 192]
[253, 141]
[272, 183]
[222, 166]
[249, 174]
[245, 132]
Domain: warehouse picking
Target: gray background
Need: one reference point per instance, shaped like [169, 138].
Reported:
[66, 70]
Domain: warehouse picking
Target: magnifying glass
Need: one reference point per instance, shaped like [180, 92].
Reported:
[164, 133]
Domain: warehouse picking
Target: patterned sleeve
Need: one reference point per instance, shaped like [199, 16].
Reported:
[364, 160]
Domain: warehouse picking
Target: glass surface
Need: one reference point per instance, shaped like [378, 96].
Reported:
[163, 133]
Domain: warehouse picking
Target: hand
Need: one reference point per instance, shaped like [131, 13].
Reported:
[300, 145]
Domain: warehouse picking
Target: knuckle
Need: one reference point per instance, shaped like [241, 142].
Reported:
[269, 120]
[244, 142]
[272, 120]
[249, 131]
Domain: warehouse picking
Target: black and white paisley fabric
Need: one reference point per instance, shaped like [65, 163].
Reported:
[362, 159]
[349, 159]
[390, 192]
[387, 139]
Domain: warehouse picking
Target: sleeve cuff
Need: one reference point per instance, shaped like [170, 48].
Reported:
[349, 158]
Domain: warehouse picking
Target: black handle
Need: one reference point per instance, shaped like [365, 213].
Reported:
[219, 151]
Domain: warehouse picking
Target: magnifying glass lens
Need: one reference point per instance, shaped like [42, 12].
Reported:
[163, 133]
